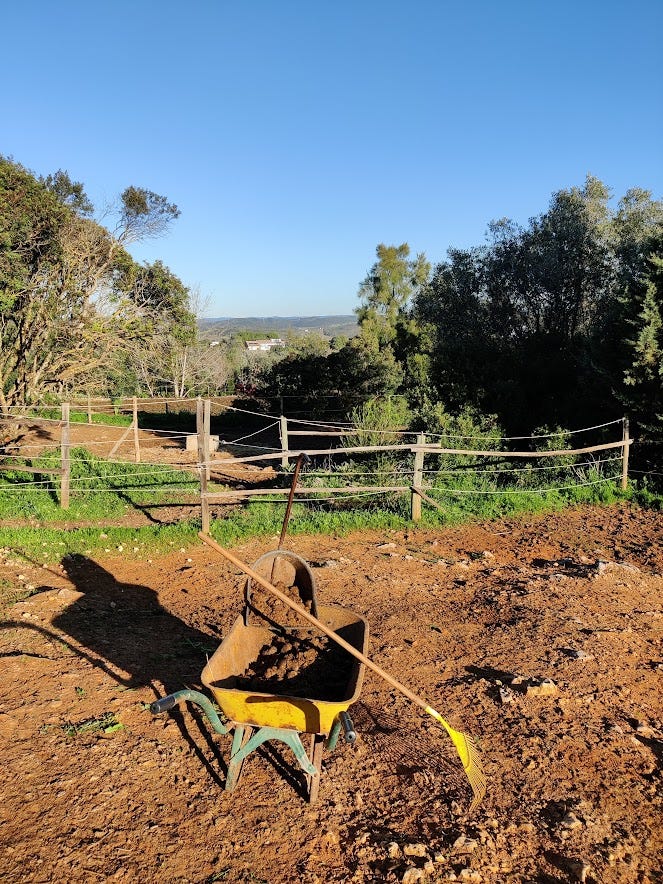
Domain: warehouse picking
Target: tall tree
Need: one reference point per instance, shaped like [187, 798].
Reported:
[642, 391]
[386, 320]
[160, 349]
[386, 291]
[62, 311]
[518, 324]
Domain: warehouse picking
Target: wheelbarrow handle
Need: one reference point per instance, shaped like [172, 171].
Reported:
[350, 734]
[164, 704]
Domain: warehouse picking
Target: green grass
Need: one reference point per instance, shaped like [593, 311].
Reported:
[106, 724]
[99, 490]
[81, 417]
[103, 493]
[43, 545]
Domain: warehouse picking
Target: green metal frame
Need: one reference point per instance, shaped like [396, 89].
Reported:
[239, 753]
[241, 750]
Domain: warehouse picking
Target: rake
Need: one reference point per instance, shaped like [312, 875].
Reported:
[467, 749]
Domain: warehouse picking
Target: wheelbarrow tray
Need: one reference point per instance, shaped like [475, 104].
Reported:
[242, 646]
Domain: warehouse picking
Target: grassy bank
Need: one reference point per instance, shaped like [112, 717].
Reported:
[43, 544]
[33, 525]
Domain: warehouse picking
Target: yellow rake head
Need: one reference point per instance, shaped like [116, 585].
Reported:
[470, 757]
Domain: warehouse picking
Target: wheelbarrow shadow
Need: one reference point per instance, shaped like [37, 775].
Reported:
[124, 630]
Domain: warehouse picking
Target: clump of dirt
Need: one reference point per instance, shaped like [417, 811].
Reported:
[273, 610]
[311, 666]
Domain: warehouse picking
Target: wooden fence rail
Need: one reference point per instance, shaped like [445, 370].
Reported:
[428, 448]
[420, 449]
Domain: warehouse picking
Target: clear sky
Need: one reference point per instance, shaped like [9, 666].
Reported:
[296, 135]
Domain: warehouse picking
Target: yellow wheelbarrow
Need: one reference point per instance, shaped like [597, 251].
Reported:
[314, 701]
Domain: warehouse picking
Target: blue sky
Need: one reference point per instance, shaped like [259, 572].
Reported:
[296, 135]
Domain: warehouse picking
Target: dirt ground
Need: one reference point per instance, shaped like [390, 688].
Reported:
[95, 788]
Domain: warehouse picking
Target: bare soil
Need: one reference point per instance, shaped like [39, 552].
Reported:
[475, 619]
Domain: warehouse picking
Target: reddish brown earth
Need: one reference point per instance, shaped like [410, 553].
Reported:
[471, 618]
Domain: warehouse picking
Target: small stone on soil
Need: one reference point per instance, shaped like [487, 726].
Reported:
[413, 874]
[415, 850]
[463, 845]
[571, 821]
[506, 696]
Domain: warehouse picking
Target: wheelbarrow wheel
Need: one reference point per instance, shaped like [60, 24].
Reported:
[313, 780]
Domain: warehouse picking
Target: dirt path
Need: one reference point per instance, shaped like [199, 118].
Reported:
[473, 618]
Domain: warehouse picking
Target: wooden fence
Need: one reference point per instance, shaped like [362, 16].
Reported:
[64, 470]
[64, 426]
[418, 450]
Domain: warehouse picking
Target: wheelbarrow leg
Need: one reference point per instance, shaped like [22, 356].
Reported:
[241, 737]
[242, 748]
[313, 780]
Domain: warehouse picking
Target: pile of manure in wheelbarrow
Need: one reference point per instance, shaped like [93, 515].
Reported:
[274, 612]
[299, 665]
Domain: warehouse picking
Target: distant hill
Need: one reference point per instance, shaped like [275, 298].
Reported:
[330, 326]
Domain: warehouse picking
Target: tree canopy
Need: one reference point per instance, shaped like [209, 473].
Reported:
[534, 325]
[70, 294]
[558, 321]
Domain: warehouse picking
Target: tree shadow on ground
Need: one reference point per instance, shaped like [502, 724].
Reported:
[125, 625]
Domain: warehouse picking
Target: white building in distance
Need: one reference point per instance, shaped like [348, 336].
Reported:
[265, 345]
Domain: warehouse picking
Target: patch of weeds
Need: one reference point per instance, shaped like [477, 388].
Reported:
[203, 647]
[10, 594]
[221, 875]
[105, 724]
[80, 692]
[7, 590]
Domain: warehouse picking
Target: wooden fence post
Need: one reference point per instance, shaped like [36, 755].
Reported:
[89, 409]
[284, 438]
[627, 444]
[417, 479]
[202, 412]
[207, 447]
[134, 404]
[64, 457]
